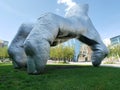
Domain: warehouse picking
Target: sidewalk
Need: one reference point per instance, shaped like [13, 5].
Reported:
[112, 65]
[88, 63]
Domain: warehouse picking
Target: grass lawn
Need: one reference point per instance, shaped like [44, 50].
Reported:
[61, 77]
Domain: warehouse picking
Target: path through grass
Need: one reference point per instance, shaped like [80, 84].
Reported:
[61, 77]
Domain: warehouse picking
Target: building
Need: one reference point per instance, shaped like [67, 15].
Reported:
[115, 40]
[77, 45]
[85, 53]
[81, 50]
[3, 43]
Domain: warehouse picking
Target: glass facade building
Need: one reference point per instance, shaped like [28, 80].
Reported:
[115, 40]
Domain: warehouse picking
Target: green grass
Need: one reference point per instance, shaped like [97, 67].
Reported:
[61, 77]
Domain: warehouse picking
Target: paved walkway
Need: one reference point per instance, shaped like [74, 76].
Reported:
[88, 63]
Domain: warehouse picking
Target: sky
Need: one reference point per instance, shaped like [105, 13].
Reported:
[105, 14]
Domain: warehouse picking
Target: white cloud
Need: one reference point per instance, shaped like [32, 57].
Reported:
[68, 3]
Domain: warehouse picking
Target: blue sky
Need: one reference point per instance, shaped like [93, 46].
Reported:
[105, 15]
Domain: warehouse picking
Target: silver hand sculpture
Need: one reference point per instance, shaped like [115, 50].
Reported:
[32, 42]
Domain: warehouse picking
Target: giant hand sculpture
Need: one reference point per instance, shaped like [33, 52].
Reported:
[32, 42]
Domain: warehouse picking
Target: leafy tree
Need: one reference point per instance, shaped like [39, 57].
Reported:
[62, 52]
[3, 53]
[114, 52]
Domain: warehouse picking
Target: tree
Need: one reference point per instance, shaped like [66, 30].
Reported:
[114, 52]
[62, 52]
[3, 53]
